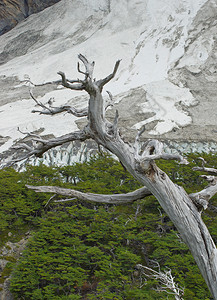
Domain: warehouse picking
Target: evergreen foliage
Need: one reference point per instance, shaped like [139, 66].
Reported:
[85, 251]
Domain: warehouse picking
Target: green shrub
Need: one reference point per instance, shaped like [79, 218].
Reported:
[91, 250]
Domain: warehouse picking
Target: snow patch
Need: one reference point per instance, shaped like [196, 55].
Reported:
[197, 54]
[167, 101]
[149, 36]
[18, 114]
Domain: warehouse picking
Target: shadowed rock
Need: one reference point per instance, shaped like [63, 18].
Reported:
[12, 12]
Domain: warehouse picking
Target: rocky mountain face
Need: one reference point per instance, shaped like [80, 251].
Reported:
[10, 252]
[14, 11]
[166, 81]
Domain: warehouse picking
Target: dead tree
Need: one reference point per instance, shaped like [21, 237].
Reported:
[165, 279]
[140, 162]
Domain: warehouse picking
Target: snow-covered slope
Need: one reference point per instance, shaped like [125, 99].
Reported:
[167, 77]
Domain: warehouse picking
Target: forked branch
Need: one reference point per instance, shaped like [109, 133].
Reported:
[52, 110]
[166, 280]
[102, 82]
[43, 145]
[88, 66]
[72, 84]
[152, 150]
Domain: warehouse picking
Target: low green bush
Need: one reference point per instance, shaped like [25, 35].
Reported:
[86, 251]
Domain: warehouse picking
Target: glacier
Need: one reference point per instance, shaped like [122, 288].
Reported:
[166, 80]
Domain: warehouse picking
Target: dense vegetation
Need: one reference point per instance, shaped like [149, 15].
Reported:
[85, 251]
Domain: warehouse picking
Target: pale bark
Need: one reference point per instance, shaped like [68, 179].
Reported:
[52, 110]
[43, 145]
[165, 279]
[100, 198]
[140, 163]
[211, 171]
[202, 198]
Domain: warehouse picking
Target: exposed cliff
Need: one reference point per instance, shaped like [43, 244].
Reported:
[166, 80]
[10, 252]
[14, 11]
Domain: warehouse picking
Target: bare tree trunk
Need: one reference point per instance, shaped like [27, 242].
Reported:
[141, 164]
[175, 202]
[186, 218]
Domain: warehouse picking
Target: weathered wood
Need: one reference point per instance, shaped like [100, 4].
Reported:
[100, 198]
[202, 198]
[211, 171]
[44, 145]
[52, 110]
[165, 279]
[173, 199]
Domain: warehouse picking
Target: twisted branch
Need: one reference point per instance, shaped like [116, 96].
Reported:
[165, 279]
[45, 145]
[70, 83]
[100, 198]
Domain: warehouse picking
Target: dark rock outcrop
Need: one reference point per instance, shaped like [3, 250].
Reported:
[14, 11]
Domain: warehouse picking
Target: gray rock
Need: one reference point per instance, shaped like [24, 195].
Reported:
[12, 250]
[5, 293]
[12, 12]
[178, 106]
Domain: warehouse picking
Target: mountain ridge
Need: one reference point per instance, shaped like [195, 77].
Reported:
[168, 66]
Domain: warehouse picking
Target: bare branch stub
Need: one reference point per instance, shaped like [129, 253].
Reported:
[210, 171]
[71, 84]
[109, 102]
[202, 197]
[88, 66]
[79, 70]
[152, 150]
